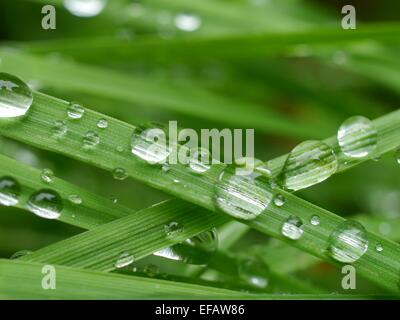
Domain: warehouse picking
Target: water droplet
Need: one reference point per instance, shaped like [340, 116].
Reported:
[176, 180]
[348, 242]
[292, 228]
[168, 253]
[315, 221]
[46, 203]
[165, 167]
[279, 200]
[264, 169]
[75, 199]
[172, 229]
[187, 22]
[243, 197]
[199, 160]
[20, 254]
[151, 270]
[379, 247]
[85, 8]
[9, 191]
[90, 140]
[59, 129]
[47, 176]
[397, 155]
[120, 174]
[357, 137]
[124, 260]
[309, 163]
[254, 273]
[119, 149]
[114, 200]
[15, 96]
[75, 111]
[150, 145]
[102, 123]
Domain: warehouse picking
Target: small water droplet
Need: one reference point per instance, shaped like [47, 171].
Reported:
[264, 169]
[102, 123]
[15, 96]
[150, 145]
[199, 160]
[151, 270]
[242, 196]
[165, 167]
[397, 155]
[120, 174]
[20, 254]
[292, 228]
[348, 242]
[315, 220]
[357, 137]
[279, 200]
[114, 200]
[172, 229]
[59, 129]
[379, 247]
[309, 163]
[45, 203]
[47, 176]
[254, 273]
[85, 8]
[119, 149]
[187, 22]
[90, 140]
[75, 199]
[9, 191]
[75, 111]
[124, 260]
[176, 180]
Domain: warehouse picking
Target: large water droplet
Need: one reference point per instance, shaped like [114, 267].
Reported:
[254, 273]
[348, 242]
[47, 176]
[46, 203]
[172, 229]
[85, 8]
[150, 145]
[75, 111]
[124, 260]
[243, 197]
[90, 140]
[9, 191]
[309, 163]
[199, 160]
[120, 174]
[292, 228]
[187, 22]
[357, 137]
[15, 96]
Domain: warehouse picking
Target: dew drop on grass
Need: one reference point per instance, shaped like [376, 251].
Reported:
[150, 145]
[187, 22]
[20, 254]
[119, 149]
[47, 176]
[254, 273]
[102, 123]
[90, 140]
[292, 228]
[309, 163]
[379, 247]
[75, 199]
[59, 129]
[397, 155]
[15, 96]
[85, 8]
[279, 200]
[242, 196]
[348, 242]
[315, 221]
[120, 174]
[165, 167]
[75, 111]
[357, 137]
[264, 169]
[199, 160]
[172, 229]
[45, 203]
[9, 191]
[124, 260]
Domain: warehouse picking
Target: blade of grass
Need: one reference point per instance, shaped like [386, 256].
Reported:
[382, 268]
